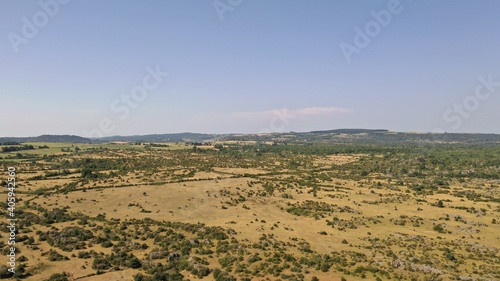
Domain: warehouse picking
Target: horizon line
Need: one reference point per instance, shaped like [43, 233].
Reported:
[263, 133]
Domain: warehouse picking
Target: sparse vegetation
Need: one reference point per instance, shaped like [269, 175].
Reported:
[266, 209]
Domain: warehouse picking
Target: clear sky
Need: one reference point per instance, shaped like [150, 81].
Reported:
[84, 67]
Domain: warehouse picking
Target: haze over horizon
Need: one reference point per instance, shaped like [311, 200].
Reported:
[233, 133]
[91, 68]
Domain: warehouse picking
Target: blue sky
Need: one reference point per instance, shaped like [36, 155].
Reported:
[251, 66]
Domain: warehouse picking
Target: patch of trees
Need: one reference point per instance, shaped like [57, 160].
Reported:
[53, 255]
[10, 143]
[68, 239]
[47, 216]
[58, 277]
[17, 148]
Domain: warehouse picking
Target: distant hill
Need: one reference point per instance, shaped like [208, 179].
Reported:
[178, 137]
[366, 136]
[336, 136]
[350, 131]
[412, 138]
[47, 138]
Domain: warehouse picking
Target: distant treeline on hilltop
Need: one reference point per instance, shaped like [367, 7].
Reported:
[338, 136]
[351, 131]
[45, 138]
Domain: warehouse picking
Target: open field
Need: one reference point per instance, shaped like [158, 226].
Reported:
[255, 211]
[61, 148]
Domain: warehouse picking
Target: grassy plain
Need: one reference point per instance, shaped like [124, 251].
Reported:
[256, 212]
